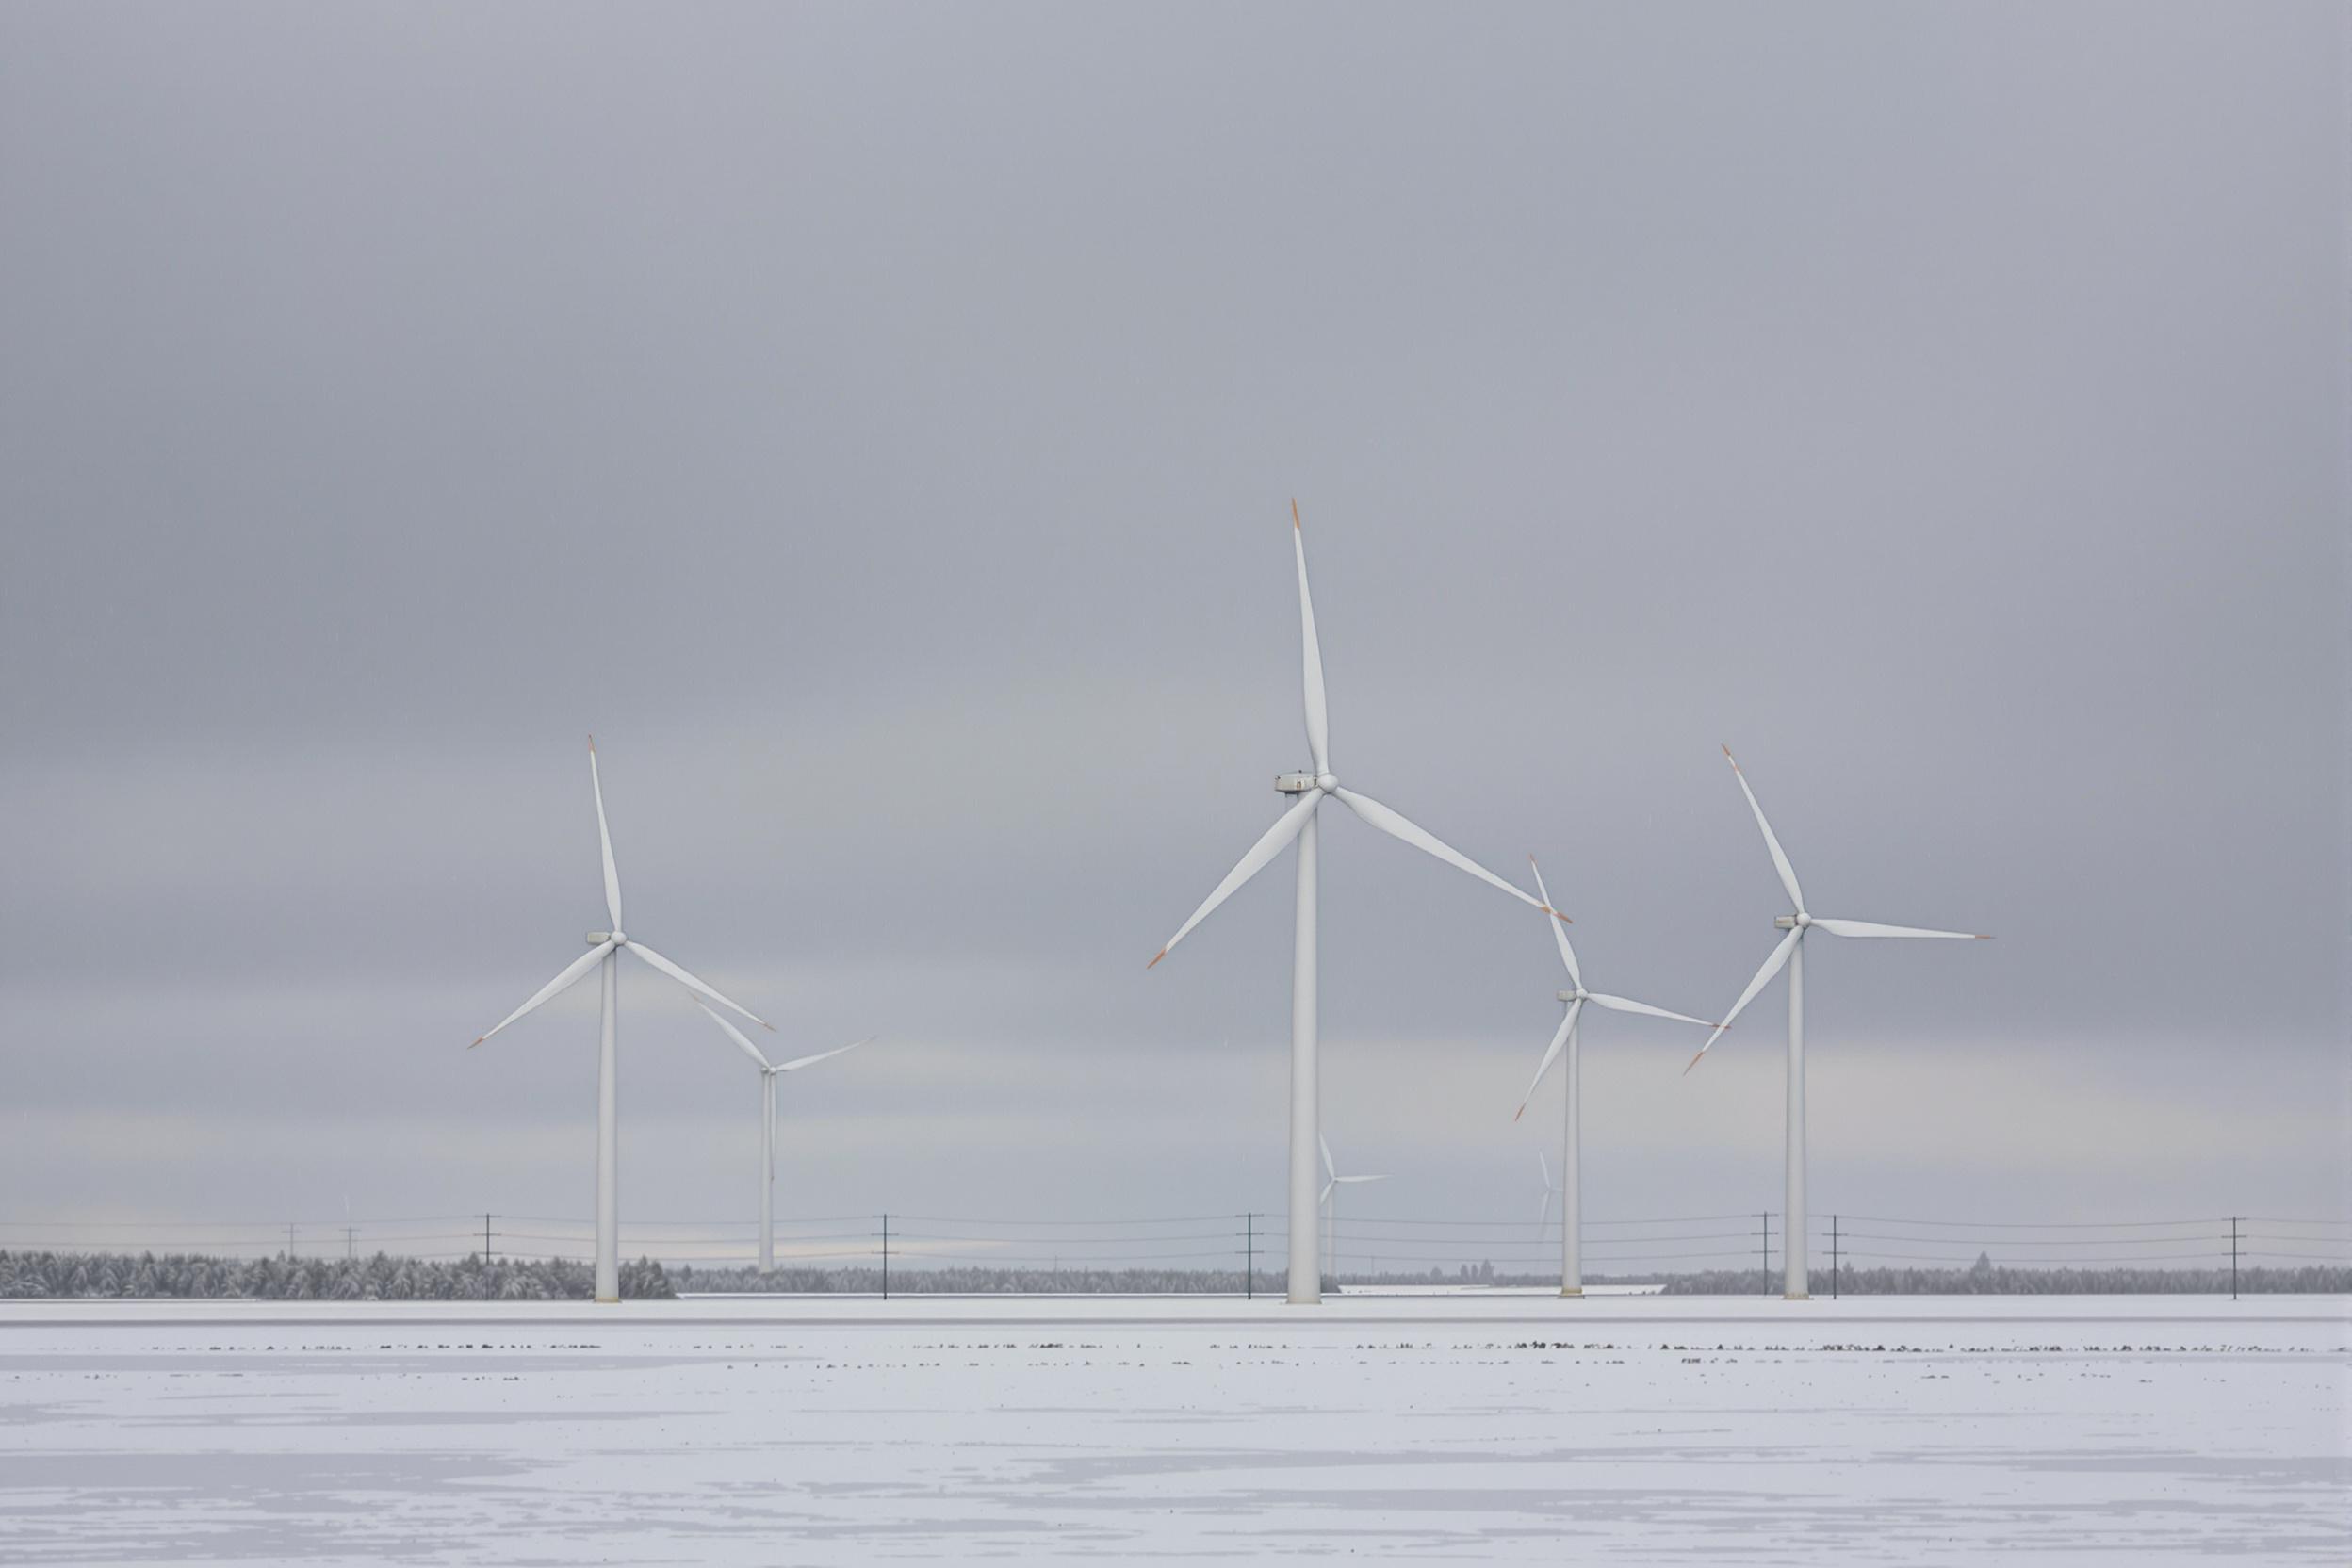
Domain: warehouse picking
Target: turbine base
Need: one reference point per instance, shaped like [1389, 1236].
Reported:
[1796, 1296]
[1576, 1291]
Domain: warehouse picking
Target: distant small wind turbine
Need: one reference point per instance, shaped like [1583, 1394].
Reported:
[1790, 952]
[604, 948]
[1330, 1202]
[769, 1072]
[1299, 823]
[1551, 1188]
[1566, 1038]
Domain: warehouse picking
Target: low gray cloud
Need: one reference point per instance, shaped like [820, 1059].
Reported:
[879, 429]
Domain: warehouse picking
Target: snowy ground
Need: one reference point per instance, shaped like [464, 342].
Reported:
[1462, 1427]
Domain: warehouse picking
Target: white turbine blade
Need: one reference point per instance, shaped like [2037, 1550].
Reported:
[736, 1034]
[1327, 1192]
[1560, 932]
[1360, 1178]
[1869, 928]
[1326, 1146]
[1545, 1167]
[1551, 1054]
[1396, 827]
[604, 835]
[571, 977]
[1763, 977]
[1318, 717]
[1780, 858]
[1275, 840]
[799, 1062]
[1543, 1209]
[1626, 1004]
[691, 983]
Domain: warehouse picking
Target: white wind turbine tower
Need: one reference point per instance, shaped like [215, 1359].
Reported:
[1790, 952]
[1330, 1200]
[769, 1072]
[1299, 823]
[1567, 1039]
[604, 949]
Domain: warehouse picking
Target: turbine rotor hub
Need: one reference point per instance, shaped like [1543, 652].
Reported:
[1804, 920]
[1327, 782]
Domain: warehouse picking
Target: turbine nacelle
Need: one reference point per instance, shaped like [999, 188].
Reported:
[597, 939]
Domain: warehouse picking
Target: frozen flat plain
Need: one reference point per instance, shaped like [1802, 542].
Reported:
[1474, 1428]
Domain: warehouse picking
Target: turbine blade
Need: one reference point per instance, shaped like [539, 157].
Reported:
[1327, 1192]
[1381, 1178]
[1626, 1004]
[604, 835]
[1545, 1167]
[1396, 826]
[1543, 1209]
[1560, 932]
[691, 983]
[1271, 843]
[1319, 718]
[736, 1034]
[563, 982]
[1551, 1054]
[1780, 858]
[1326, 1146]
[799, 1062]
[1869, 928]
[1763, 977]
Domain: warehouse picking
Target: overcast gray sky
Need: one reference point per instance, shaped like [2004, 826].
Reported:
[878, 426]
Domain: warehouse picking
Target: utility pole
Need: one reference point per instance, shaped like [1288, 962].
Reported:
[486, 1256]
[351, 1242]
[2233, 1257]
[1250, 1257]
[1765, 1245]
[886, 1257]
[1832, 1257]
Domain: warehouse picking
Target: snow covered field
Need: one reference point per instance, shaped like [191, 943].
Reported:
[1460, 1427]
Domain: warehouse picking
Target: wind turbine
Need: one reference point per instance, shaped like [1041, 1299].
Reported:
[1298, 822]
[1330, 1200]
[769, 1072]
[604, 949]
[1566, 1038]
[1551, 1188]
[1790, 952]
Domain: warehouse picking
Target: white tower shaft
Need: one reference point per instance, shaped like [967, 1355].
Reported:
[1571, 1195]
[1306, 1278]
[1792, 1239]
[609, 1133]
[767, 1172]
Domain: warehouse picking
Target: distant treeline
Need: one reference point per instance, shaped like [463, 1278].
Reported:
[1994, 1281]
[382, 1278]
[385, 1278]
[1069, 1280]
